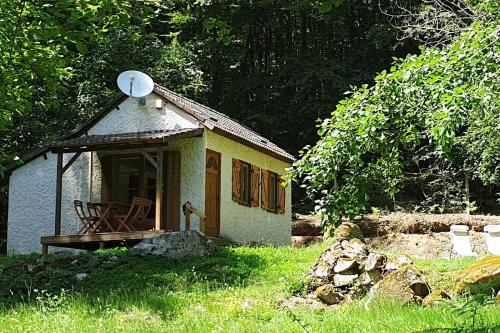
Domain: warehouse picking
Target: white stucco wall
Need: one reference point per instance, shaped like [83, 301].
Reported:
[130, 116]
[32, 190]
[242, 223]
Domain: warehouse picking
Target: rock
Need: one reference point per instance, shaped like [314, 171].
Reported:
[330, 257]
[435, 298]
[401, 286]
[344, 264]
[176, 245]
[74, 262]
[31, 268]
[355, 249]
[41, 261]
[369, 277]
[374, 261]
[328, 294]
[63, 254]
[345, 231]
[344, 279]
[482, 276]
[81, 276]
[395, 263]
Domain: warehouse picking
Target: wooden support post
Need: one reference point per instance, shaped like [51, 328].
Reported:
[101, 245]
[45, 249]
[188, 220]
[159, 189]
[57, 224]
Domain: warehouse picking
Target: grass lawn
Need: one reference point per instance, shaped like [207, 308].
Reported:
[236, 290]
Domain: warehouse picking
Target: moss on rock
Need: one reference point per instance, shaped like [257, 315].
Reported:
[435, 298]
[345, 231]
[483, 275]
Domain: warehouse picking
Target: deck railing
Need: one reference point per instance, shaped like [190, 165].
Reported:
[188, 210]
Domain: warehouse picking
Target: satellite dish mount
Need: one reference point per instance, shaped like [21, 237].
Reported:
[135, 84]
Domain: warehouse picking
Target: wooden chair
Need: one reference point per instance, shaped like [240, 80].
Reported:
[136, 215]
[88, 221]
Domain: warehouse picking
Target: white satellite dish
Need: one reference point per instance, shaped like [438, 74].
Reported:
[135, 84]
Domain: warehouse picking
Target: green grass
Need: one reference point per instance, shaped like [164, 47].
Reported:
[236, 290]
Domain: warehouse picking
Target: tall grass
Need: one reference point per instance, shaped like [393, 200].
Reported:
[237, 290]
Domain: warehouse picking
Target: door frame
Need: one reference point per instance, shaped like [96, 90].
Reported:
[217, 199]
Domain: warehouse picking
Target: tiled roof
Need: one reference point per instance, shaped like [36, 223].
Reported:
[126, 138]
[219, 122]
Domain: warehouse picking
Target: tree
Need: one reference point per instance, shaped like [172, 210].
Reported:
[439, 108]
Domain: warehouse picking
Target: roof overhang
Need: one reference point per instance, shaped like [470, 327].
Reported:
[123, 141]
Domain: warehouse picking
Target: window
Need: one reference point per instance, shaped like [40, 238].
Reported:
[135, 176]
[273, 190]
[244, 183]
[273, 194]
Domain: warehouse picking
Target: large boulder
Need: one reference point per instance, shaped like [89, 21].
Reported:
[402, 286]
[482, 276]
[176, 245]
[345, 231]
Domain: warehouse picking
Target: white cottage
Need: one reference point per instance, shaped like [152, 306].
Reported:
[168, 149]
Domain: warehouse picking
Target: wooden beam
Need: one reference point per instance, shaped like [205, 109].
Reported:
[71, 161]
[189, 210]
[59, 174]
[159, 189]
[99, 237]
[149, 158]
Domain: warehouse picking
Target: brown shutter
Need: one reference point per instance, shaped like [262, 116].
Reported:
[236, 180]
[106, 177]
[265, 189]
[172, 167]
[255, 181]
[281, 196]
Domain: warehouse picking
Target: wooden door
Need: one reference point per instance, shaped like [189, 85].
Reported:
[212, 193]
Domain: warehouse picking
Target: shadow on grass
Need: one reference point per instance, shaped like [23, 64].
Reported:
[118, 280]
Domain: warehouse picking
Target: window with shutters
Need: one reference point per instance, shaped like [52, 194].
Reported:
[273, 194]
[246, 183]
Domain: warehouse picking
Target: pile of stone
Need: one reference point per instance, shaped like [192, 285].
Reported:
[348, 270]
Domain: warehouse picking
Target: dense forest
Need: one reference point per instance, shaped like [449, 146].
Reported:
[275, 65]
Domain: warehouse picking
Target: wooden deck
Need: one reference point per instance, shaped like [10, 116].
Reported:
[107, 240]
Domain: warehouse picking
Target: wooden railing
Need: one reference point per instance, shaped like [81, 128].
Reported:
[188, 210]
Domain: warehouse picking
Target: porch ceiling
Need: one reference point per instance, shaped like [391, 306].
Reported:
[123, 140]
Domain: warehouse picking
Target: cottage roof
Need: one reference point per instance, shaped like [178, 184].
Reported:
[210, 118]
[128, 140]
[224, 125]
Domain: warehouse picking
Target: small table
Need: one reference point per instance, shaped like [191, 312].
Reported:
[105, 210]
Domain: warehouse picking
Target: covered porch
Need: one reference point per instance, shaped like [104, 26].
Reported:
[118, 169]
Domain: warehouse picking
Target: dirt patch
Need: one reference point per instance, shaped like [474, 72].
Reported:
[432, 245]
[378, 225]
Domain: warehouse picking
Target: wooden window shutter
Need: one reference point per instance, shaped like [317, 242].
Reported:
[255, 182]
[172, 175]
[281, 196]
[265, 189]
[236, 180]
[106, 177]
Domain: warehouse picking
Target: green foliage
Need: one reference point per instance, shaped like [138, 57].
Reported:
[436, 108]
